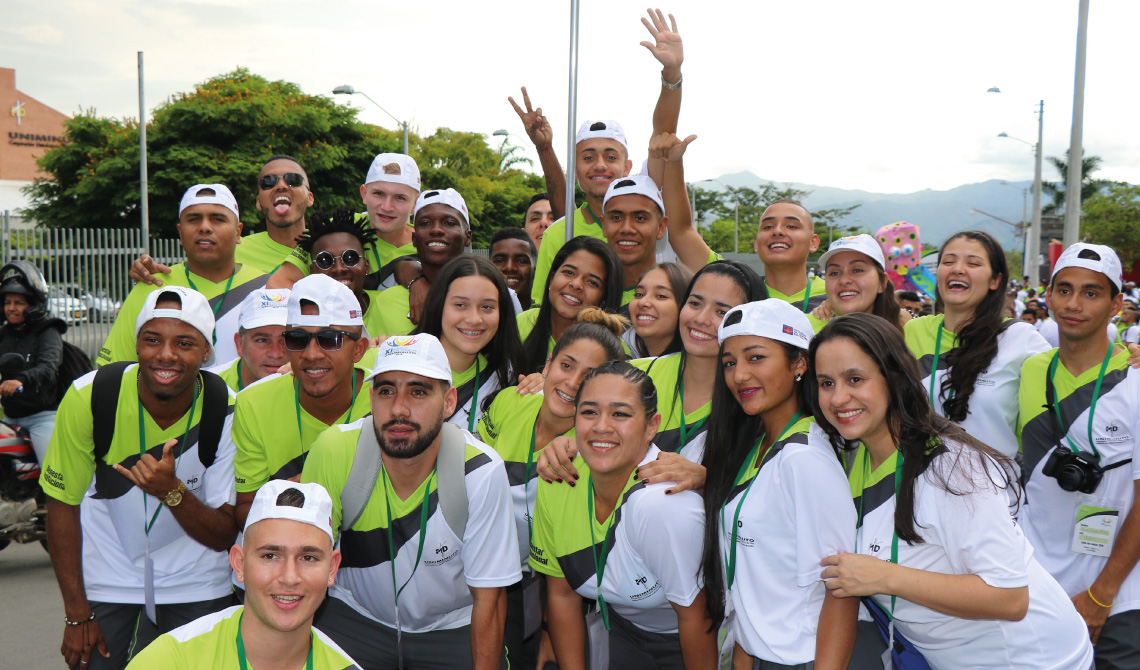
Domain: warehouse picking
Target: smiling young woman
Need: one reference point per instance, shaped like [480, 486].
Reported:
[970, 357]
[656, 304]
[856, 279]
[471, 312]
[962, 585]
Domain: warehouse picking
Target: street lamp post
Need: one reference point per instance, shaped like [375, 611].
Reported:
[1032, 265]
[1076, 151]
[349, 90]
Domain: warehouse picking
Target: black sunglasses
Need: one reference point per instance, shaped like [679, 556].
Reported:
[325, 260]
[328, 339]
[293, 179]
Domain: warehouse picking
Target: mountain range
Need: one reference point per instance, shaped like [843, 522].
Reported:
[938, 214]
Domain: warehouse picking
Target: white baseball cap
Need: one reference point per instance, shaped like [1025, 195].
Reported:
[396, 168]
[609, 130]
[864, 244]
[1095, 257]
[316, 510]
[447, 196]
[264, 307]
[773, 318]
[222, 196]
[638, 185]
[336, 303]
[418, 354]
[195, 310]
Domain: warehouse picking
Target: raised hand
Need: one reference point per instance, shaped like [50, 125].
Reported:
[152, 475]
[668, 147]
[536, 126]
[666, 47]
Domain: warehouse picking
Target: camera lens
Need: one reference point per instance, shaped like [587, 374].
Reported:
[1071, 477]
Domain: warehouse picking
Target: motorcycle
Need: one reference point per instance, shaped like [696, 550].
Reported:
[23, 505]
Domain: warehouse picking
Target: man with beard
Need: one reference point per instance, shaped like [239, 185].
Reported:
[324, 343]
[142, 551]
[260, 345]
[513, 252]
[412, 591]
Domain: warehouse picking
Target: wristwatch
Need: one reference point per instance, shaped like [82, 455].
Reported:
[174, 498]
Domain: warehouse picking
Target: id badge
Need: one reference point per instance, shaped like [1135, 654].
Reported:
[599, 641]
[888, 658]
[532, 608]
[726, 640]
[1094, 529]
[148, 589]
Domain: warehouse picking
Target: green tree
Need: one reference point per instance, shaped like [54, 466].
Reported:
[1056, 189]
[1112, 217]
[223, 132]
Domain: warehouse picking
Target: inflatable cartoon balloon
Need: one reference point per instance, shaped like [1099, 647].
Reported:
[902, 247]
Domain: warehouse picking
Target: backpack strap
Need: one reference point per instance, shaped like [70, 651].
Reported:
[451, 484]
[451, 477]
[215, 407]
[104, 404]
[361, 478]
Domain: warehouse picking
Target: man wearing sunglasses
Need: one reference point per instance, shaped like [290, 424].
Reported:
[283, 195]
[336, 245]
[277, 419]
[209, 228]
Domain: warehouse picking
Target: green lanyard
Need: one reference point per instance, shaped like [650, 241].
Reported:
[730, 561]
[586, 207]
[934, 368]
[221, 299]
[684, 422]
[243, 664]
[859, 523]
[297, 404]
[474, 401]
[599, 564]
[376, 257]
[142, 450]
[240, 384]
[391, 543]
[807, 294]
[1092, 407]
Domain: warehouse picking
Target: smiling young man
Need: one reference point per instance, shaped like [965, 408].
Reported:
[1080, 437]
[287, 561]
[209, 228]
[441, 230]
[259, 341]
[538, 218]
[784, 240]
[139, 479]
[513, 252]
[414, 591]
[277, 419]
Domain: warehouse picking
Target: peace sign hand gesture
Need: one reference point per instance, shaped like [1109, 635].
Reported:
[667, 50]
[537, 127]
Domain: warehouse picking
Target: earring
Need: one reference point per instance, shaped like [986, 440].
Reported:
[799, 377]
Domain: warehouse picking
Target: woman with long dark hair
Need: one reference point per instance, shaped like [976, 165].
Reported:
[970, 357]
[854, 271]
[520, 426]
[938, 553]
[621, 543]
[776, 499]
[684, 380]
[653, 311]
[586, 273]
[471, 312]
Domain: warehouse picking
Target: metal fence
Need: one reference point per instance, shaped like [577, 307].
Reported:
[87, 273]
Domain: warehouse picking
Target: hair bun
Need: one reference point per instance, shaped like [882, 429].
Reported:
[615, 323]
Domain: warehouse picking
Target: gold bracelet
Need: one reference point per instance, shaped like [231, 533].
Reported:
[1099, 604]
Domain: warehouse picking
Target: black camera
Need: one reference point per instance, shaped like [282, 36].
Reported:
[1079, 471]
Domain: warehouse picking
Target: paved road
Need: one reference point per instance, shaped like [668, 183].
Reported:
[31, 612]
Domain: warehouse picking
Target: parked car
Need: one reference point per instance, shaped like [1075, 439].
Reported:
[100, 307]
[71, 310]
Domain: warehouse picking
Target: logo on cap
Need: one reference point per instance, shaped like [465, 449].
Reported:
[788, 330]
[392, 168]
[277, 297]
[354, 313]
[403, 341]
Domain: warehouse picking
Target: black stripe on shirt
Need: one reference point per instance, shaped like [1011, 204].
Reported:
[578, 566]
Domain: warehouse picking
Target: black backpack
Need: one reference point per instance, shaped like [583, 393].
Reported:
[72, 365]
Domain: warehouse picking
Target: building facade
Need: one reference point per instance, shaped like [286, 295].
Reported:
[28, 128]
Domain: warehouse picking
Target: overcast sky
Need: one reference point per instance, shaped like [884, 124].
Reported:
[886, 96]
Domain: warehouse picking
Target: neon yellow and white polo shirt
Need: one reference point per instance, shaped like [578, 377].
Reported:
[114, 512]
[436, 596]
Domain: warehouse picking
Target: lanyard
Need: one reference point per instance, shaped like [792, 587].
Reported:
[243, 664]
[142, 450]
[586, 207]
[474, 401]
[1092, 407]
[221, 299]
[752, 455]
[599, 564]
[807, 294]
[392, 555]
[297, 404]
[894, 533]
[934, 368]
[240, 384]
[684, 422]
